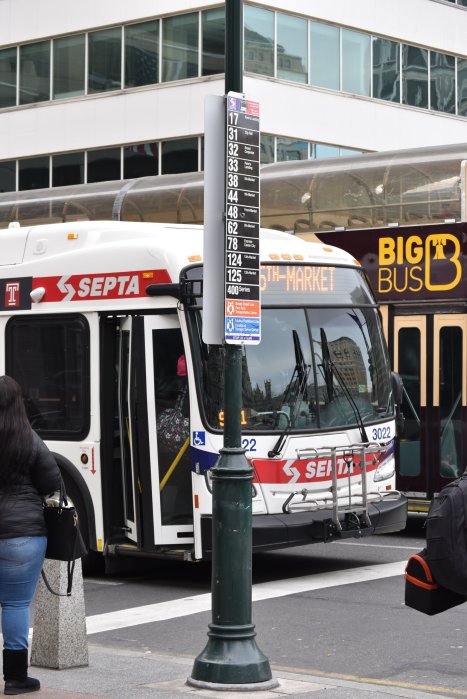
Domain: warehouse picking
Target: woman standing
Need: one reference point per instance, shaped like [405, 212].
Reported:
[28, 471]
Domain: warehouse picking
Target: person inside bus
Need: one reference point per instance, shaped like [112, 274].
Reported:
[28, 472]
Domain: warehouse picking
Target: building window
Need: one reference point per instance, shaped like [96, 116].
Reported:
[179, 156]
[259, 40]
[267, 149]
[105, 60]
[386, 70]
[142, 54]
[213, 49]
[291, 149]
[355, 62]
[292, 48]
[321, 150]
[442, 82]
[325, 56]
[140, 160]
[104, 165]
[462, 86]
[34, 173]
[7, 175]
[8, 62]
[34, 72]
[415, 76]
[69, 62]
[67, 169]
[180, 47]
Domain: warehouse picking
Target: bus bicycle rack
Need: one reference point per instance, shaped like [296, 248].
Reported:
[343, 499]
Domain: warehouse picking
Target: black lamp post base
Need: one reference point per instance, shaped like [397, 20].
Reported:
[221, 687]
[231, 664]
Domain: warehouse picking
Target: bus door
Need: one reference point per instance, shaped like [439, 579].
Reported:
[153, 432]
[125, 427]
[168, 430]
[428, 352]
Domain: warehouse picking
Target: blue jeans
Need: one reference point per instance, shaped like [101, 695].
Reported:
[21, 560]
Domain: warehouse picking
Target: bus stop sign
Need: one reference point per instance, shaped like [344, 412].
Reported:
[242, 267]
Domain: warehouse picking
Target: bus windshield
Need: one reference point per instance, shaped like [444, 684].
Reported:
[315, 368]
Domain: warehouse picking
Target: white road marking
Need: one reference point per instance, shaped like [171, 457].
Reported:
[376, 546]
[184, 606]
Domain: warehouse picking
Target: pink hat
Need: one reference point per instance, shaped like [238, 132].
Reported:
[181, 365]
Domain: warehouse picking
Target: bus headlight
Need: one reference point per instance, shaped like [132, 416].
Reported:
[386, 469]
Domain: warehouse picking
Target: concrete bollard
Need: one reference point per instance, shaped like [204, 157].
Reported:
[59, 638]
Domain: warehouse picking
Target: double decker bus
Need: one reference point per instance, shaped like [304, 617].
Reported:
[101, 325]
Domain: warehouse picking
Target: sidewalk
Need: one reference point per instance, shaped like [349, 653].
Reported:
[119, 674]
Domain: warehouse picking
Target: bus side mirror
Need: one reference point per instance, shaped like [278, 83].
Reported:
[397, 387]
[397, 392]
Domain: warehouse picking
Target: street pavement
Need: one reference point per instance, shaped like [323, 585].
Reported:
[121, 674]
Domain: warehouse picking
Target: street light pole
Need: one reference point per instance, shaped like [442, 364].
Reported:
[231, 656]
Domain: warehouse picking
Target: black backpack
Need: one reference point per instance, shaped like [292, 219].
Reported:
[446, 536]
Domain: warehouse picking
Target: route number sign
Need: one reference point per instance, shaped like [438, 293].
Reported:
[242, 266]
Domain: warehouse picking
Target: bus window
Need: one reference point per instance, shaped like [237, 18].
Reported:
[450, 401]
[49, 357]
[314, 368]
[409, 369]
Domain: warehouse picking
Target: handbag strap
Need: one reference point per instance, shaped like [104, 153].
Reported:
[70, 571]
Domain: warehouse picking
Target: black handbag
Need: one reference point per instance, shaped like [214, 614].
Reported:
[64, 539]
[422, 592]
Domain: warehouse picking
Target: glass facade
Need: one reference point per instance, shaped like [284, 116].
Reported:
[386, 70]
[104, 165]
[179, 156]
[8, 176]
[415, 76]
[291, 149]
[140, 160]
[325, 56]
[69, 57]
[105, 60]
[34, 72]
[258, 40]
[442, 82]
[192, 45]
[8, 62]
[33, 173]
[180, 47]
[213, 41]
[355, 62]
[292, 48]
[462, 86]
[142, 54]
[67, 169]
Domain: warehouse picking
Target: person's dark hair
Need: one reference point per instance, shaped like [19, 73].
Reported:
[16, 436]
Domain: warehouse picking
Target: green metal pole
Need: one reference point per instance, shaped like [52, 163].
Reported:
[231, 656]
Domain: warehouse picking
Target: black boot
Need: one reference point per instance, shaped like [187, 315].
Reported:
[15, 673]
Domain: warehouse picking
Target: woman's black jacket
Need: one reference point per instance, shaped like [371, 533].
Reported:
[21, 510]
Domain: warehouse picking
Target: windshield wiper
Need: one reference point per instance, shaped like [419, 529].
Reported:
[296, 391]
[330, 369]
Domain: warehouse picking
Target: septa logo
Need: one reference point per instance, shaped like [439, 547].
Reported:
[12, 295]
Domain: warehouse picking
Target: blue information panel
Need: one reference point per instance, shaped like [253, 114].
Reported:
[242, 262]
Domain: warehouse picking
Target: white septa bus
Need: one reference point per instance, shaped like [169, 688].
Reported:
[102, 327]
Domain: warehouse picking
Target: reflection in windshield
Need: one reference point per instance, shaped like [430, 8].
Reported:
[292, 383]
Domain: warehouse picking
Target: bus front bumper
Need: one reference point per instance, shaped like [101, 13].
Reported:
[302, 528]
